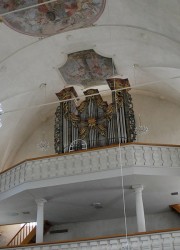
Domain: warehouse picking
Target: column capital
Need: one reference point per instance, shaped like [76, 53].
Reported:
[138, 187]
[40, 201]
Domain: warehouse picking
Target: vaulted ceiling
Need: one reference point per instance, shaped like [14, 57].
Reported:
[142, 37]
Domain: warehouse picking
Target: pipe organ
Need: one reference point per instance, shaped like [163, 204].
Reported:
[94, 121]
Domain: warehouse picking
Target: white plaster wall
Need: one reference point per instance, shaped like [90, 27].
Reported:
[162, 117]
[113, 226]
[7, 232]
[30, 149]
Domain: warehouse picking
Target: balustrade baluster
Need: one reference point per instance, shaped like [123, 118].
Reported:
[94, 245]
[23, 233]
[130, 156]
[139, 159]
[65, 246]
[103, 160]
[167, 241]
[84, 246]
[74, 246]
[26, 228]
[145, 243]
[134, 242]
[2, 182]
[5, 181]
[114, 244]
[18, 175]
[29, 228]
[148, 156]
[20, 236]
[104, 245]
[176, 242]
[11, 176]
[124, 243]
[156, 242]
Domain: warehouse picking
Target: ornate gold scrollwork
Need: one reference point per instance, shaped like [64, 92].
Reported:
[109, 112]
[83, 132]
[75, 119]
[119, 99]
[101, 103]
[83, 105]
[101, 129]
[92, 122]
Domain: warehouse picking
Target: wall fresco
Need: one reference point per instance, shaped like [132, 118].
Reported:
[51, 18]
[87, 68]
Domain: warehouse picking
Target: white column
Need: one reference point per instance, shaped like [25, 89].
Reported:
[40, 220]
[139, 208]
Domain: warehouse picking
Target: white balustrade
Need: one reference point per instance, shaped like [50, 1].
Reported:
[86, 162]
[157, 241]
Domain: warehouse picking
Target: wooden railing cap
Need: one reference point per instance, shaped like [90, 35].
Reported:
[96, 238]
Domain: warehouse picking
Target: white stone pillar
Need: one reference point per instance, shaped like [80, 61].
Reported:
[40, 220]
[139, 208]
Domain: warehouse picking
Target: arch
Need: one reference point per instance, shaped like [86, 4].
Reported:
[82, 143]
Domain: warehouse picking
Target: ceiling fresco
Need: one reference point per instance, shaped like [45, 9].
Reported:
[87, 68]
[51, 18]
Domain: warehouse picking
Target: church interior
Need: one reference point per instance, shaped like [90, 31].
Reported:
[89, 124]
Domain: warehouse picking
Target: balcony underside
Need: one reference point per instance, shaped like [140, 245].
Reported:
[72, 182]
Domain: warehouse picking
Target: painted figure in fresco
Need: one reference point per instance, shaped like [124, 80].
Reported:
[51, 17]
[86, 68]
[60, 9]
[66, 9]
[12, 4]
[95, 66]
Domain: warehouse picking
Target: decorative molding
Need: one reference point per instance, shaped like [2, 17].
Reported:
[40, 201]
[138, 187]
[87, 68]
[88, 162]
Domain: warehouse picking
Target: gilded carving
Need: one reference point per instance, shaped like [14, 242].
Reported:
[91, 122]
[82, 106]
[83, 131]
[102, 129]
[94, 120]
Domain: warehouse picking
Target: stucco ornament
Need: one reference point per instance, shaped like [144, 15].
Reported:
[50, 18]
[87, 68]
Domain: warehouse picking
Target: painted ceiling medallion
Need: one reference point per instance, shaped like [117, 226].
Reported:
[87, 68]
[51, 18]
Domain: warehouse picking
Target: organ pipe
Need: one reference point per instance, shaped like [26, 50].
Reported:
[94, 121]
